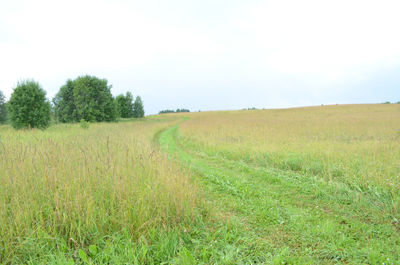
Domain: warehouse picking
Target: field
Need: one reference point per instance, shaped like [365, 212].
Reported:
[315, 185]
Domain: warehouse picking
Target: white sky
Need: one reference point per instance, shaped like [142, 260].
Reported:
[208, 54]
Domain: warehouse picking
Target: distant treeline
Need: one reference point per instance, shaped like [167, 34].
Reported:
[388, 102]
[87, 98]
[173, 111]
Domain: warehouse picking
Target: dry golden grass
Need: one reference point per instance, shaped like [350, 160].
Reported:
[359, 143]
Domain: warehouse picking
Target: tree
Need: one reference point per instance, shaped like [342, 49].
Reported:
[120, 105]
[64, 103]
[124, 105]
[138, 111]
[129, 104]
[28, 106]
[88, 98]
[3, 110]
[93, 99]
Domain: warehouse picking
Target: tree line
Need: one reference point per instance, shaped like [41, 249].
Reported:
[173, 111]
[87, 98]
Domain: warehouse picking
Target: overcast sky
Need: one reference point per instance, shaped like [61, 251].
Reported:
[208, 54]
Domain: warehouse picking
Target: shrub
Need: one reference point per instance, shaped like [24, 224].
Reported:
[28, 106]
[84, 124]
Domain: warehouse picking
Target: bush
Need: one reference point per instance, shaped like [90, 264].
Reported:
[84, 124]
[28, 106]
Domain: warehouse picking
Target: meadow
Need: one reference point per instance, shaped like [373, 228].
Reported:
[315, 185]
[67, 190]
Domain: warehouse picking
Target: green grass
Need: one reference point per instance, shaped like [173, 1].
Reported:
[197, 188]
[66, 189]
[297, 218]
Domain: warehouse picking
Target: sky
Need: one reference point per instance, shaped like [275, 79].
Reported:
[208, 54]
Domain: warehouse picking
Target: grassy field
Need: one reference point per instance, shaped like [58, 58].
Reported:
[317, 185]
[73, 194]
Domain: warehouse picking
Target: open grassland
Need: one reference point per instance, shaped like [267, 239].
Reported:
[359, 144]
[67, 193]
[316, 185]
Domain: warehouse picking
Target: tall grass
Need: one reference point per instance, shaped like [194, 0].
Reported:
[71, 186]
[353, 143]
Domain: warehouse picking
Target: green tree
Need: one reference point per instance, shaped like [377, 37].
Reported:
[28, 106]
[3, 110]
[119, 104]
[138, 110]
[64, 103]
[129, 104]
[93, 99]
[125, 105]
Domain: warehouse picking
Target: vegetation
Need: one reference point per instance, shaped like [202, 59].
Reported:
[64, 103]
[138, 110]
[182, 110]
[166, 111]
[104, 194]
[314, 185]
[345, 142]
[88, 98]
[125, 105]
[28, 106]
[172, 111]
[3, 110]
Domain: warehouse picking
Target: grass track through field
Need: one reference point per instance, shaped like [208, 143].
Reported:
[293, 217]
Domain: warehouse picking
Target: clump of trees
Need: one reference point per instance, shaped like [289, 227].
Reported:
[89, 98]
[85, 98]
[173, 111]
[124, 105]
[126, 108]
[138, 110]
[3, 110]
[166, 111]
[182, 110]
[28, 106]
